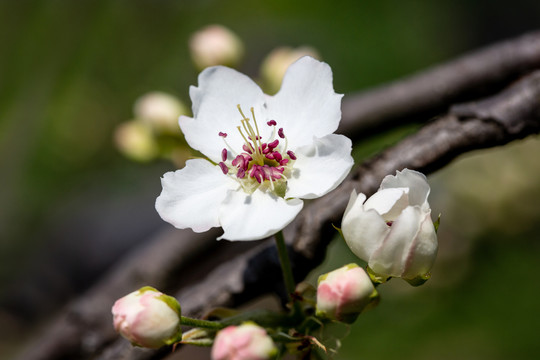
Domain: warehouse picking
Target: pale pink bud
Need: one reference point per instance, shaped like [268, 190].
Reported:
[245, 342]
[215, 45]
[393, 230]
[342, 294]
[278, 61]
[160, 111]
[148, 318]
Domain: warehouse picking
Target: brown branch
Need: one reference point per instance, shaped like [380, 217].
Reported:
[421, 96]
[84, 328]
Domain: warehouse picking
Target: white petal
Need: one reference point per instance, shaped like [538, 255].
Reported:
[389, 203]
[191, 196]
[320, 167]
[422, 252]
[306, 105]
[364, 231]
[414, 180]
[215, 110]
[255, 216]
[389, 258]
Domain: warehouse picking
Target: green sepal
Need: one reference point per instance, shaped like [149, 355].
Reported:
[338, 230]
[198, 337]
[171, 302]
[436, 223]
[377, 279]
[419, 280]
[348, 266]
[147, 288]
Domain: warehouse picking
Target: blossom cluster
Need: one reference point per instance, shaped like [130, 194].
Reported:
[260, 165]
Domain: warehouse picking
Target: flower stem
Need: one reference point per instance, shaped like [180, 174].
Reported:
[201, 323]
[285, 265]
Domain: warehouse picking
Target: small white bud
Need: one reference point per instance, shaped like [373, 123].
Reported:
[393, 230]
[148, 318]
[215, 45]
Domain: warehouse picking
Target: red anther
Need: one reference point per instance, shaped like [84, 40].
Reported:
[283, 162]
[238, 161]
[241, 173]
[256, 173]
[273, 144]
[277, 156]
[222, 134]
[280, 133]
[224, 168]
[224, 154]
[270, 156]
[246, 148]
[271, 123]
[291, 155]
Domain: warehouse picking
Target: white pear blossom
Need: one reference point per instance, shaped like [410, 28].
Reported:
[265, 153]
[393, 230]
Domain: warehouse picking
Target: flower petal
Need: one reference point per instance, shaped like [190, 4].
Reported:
[422, 252]
[415, 181]
[389, 203]
[306, 105]
[215, 110]
[320, 167]
[191, 196]
[363, 230]
[255, 216]
[390, 257]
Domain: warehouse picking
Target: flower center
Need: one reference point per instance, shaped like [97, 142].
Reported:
[260, 164]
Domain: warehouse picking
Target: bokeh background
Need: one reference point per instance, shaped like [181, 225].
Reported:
[71, 203]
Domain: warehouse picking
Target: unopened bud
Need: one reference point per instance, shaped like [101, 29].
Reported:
[135, 140]
[342, 294]
[392, 230]
[278, 61]
[215, 45]
[245, 342]
[148, 318]
[160, 111]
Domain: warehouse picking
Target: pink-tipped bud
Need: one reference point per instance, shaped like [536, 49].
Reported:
[342, 294]
[148, 318]
[245, 342]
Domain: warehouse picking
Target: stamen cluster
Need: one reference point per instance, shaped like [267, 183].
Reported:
[259, 161]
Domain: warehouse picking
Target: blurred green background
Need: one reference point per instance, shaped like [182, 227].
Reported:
[70, 72]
